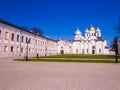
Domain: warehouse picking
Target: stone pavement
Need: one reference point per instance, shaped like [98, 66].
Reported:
[16, 75]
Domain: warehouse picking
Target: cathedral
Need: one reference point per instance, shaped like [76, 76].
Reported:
[91, 43]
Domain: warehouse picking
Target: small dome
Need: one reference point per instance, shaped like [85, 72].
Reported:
[98, 29]
[91, 28]
[86, 30]
[77, 31]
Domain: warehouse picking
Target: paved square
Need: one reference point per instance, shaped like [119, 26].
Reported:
[58, 76]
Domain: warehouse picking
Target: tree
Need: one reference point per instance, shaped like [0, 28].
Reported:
[118, 27]
[114, 44]
[37, 31]
[115, 48]
[24, 27]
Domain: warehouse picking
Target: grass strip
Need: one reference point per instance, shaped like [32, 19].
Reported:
[82, 56]
[63, 60]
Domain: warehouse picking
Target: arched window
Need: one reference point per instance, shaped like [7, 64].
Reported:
[5, 48]
[87, 50]
[76, 50]
[18, 37]
[0, 48]
[92, 34]
[98, 34]
[12, 37]
[12, 48]
[22, 49]
[0, 34]
[93, 47]
[99, 50]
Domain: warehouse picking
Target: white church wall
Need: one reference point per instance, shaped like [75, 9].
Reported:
[76, 48]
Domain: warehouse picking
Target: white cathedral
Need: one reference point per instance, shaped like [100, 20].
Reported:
[91, 43]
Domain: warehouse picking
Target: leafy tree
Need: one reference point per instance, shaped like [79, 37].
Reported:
[37, 31]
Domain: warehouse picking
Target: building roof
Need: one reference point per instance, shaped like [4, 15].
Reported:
[23, 29]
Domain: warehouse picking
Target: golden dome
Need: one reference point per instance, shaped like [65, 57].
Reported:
[91, 28]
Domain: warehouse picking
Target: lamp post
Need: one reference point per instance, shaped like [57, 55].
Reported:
[28, 41]
[116, 50]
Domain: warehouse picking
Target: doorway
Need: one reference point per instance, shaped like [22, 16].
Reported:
[93, 51]
[61, 51]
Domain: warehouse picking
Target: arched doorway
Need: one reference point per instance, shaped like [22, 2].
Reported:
[61, 51]
[93, 51]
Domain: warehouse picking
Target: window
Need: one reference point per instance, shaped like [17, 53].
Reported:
[18, 38]
[83, 51]
[93, 47]
[22, 49]
[5, 49]
[87, 34]
[76, 50]
[22, 39]
[98, 34]
[0, 34]
[0, 48]
[99, 50]
[87, 50]
[26, 39]
[6, 35]
[11, 49]
[12, 37]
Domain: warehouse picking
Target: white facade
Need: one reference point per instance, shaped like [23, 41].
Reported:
[91, 43]
[13, 42]
[64, 47]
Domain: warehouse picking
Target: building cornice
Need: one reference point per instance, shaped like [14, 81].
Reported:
[26, 30]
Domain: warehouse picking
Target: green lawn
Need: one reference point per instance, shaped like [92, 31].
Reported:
[75, 58]
[81, 56]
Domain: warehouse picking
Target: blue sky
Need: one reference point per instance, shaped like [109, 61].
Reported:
[59, 19]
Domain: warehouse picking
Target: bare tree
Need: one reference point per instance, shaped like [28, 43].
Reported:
[114, 47]
[37, 31]
[24, 27]
[118, 27]
[114, 43]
